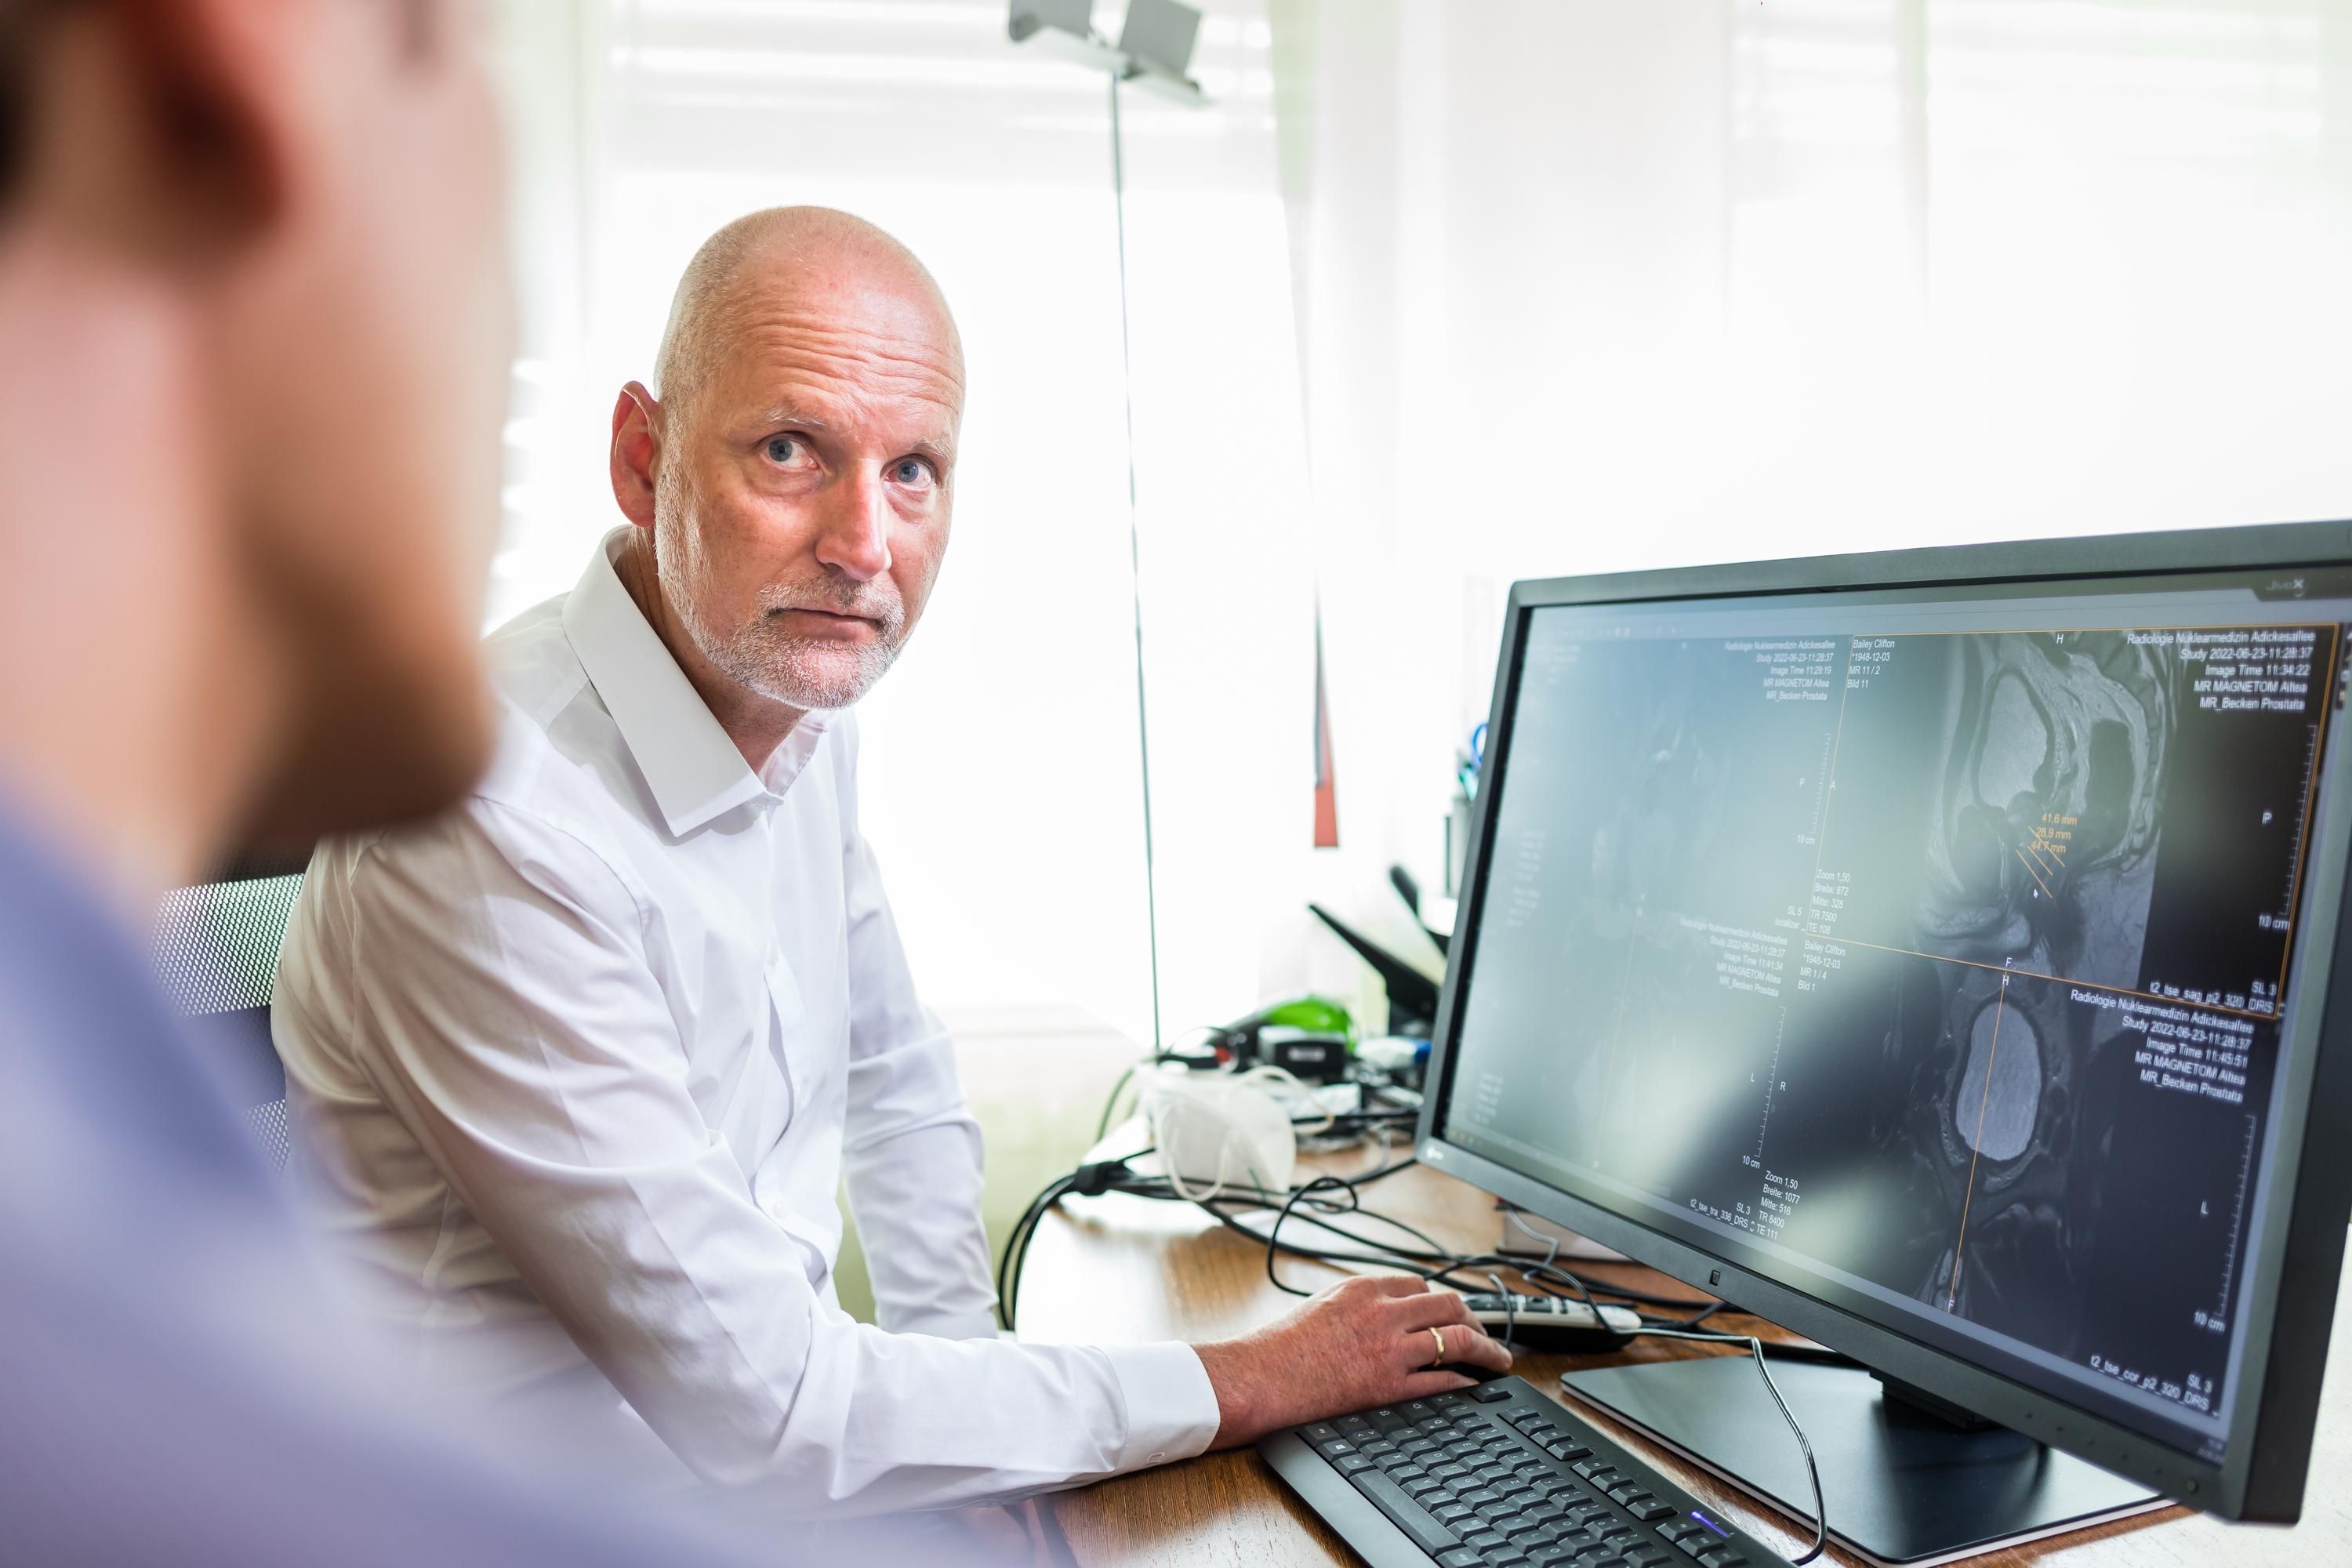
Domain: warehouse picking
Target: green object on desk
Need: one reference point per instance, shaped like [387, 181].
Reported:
[1316, 1014]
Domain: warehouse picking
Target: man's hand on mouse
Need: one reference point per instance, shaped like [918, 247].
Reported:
[1373, 1340]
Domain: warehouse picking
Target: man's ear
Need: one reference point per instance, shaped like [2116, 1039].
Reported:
[175, 127]
[636, 446]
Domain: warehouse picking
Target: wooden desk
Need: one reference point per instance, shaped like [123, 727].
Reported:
[1118, 1270]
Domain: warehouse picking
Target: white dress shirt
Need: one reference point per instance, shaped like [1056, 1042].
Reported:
[577, 1070]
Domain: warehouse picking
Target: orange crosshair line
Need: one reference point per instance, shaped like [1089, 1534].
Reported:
[1976, 1150]
[2060, 979]
[2036, 876]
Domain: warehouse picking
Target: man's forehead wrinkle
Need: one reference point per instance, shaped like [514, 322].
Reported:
[894, 355]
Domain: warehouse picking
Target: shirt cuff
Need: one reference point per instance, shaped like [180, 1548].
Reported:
[1172, 1407]
[981, 1325]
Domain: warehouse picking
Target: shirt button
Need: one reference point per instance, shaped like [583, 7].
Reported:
[1158, 1455]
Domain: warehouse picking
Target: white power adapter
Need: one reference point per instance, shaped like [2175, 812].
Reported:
[1214, 1129]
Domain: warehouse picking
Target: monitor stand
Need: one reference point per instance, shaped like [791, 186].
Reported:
[1901, 1484]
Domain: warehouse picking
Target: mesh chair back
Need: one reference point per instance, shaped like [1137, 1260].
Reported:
[216, 953]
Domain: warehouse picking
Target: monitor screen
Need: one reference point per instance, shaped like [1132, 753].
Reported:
[1932, 952]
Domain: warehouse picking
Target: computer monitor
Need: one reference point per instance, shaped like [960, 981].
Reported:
[1938, 954]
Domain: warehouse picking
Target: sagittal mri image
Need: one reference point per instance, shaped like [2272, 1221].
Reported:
[1950, 960]
[2045, 814]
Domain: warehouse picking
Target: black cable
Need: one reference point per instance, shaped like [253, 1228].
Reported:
[1511, 1315]
[1116, 1175]
[1326, 1196]
[1275, 1229]
[1812, 1470]
[1016, 1250]
[1695, 1318]
[1102, 1123]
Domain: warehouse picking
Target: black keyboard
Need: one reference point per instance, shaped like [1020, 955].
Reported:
[1498, 1477]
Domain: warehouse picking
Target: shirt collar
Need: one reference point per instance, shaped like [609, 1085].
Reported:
[693, 769]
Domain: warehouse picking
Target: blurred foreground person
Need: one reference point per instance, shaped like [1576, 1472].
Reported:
[253, 323]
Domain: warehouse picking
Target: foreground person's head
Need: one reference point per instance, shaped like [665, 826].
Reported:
[793, 479]
[251, 266]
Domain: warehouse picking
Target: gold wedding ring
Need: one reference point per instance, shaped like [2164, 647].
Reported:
[1439, 1335]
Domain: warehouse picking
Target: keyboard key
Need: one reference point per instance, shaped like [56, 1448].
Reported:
[1428, 1533]
[1490, 1478]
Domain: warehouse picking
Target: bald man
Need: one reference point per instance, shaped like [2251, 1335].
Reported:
[579, 1070]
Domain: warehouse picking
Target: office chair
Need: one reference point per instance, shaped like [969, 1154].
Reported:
[216, 949]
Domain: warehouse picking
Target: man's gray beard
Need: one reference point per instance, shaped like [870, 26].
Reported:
[797, 672]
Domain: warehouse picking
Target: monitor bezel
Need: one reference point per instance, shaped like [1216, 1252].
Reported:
[2293, 1282]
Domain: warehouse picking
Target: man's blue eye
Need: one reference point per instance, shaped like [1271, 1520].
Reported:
[912, 471]
[783, 449]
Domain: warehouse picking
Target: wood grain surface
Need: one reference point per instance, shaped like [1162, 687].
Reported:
[1120, 1269]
